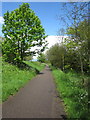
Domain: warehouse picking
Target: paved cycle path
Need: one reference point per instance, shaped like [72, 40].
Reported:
[38, 99]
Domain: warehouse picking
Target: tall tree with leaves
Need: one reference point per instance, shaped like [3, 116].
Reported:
[74, 14]
[22, 30]
[81, 47]
[55, 55]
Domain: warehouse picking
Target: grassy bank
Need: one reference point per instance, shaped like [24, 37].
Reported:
[13, 78]
[73, 92]
[36, 65]
[0, 79]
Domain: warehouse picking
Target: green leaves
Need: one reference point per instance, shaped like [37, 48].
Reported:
[78, 46]
[55, 55]
[42, 58]
[22, 30]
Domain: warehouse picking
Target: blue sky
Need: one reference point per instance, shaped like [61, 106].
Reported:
[48, 13]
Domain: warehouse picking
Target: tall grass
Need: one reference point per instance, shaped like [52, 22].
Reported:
[14, 78]
[73, 92]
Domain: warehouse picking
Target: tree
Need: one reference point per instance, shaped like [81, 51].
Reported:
[80, 45]
[55, 55]
[75, 15]
[62, 32]
[22, 30]
[1, 40]
[42, 58]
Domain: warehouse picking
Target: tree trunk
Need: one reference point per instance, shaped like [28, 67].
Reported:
[81, 62]
[63, 62]
[21, 51]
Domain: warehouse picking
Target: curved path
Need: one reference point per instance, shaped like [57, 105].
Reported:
[38, 99]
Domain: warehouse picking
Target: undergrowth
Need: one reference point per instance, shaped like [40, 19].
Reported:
[74, 93]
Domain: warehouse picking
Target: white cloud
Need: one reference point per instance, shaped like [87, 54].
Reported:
[54, 39]
[1, 20]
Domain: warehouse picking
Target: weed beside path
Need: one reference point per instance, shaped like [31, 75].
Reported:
[14, 78]
[74, 94]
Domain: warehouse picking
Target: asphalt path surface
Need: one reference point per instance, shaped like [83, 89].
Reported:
[37, 99]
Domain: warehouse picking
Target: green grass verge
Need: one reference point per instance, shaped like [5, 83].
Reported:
[14, 78]
[74, 94]
[0, 78]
